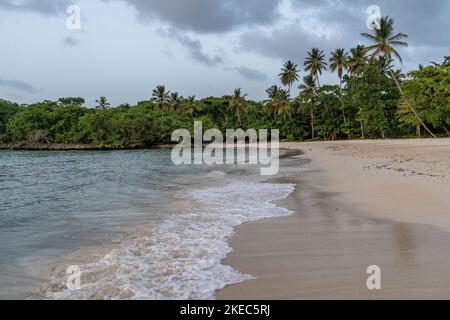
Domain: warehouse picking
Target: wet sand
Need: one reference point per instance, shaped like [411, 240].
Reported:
[382, 203]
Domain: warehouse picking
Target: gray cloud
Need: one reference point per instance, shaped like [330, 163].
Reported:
[426, 22]
[194, 47]
[209, 16]
[41, 6]
[290, 42]
[18, 85]
[250, 74]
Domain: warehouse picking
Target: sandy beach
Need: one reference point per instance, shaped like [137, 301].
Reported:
[362, 203]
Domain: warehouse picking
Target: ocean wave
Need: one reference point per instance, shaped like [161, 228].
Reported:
[183, 257]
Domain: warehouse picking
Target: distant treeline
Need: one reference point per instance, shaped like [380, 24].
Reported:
[372, 101]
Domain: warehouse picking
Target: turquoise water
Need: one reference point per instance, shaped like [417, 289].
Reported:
[55, 204]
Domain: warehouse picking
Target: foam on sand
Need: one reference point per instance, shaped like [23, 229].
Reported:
[182, 258]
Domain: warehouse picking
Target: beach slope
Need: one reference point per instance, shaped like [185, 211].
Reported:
[362, 203]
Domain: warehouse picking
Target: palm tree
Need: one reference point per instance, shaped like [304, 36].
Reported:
[175, 100]
[338, 61]
[357, 59]
[161, 98]
[308, 89]
[102, 103]
[289, 74]
[237, 103]
[315, 63]
[282, 104]
[272, 94]
[446, 62]
[190, 105]
[384, 43]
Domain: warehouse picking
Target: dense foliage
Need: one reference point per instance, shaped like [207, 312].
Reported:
[371, 101]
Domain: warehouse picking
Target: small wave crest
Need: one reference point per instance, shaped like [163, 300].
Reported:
[182, 258]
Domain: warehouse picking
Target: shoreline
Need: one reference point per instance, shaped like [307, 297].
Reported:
[323, 249]
[77, 147]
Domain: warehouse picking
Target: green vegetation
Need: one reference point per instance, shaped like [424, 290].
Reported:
[372, 100]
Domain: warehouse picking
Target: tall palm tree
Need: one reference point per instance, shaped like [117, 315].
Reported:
[175, 100]
[308, 89]
[161, 98]
[315, 63]
[338, 61]
[357, 59]
[289, 74]
[102, 103]
[237, 103]
[384, 42]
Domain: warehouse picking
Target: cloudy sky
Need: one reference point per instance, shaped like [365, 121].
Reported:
[197, 47]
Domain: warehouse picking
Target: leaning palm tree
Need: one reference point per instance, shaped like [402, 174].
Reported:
[161, 98]
[289, 74]
[384, 42]
[315, 63]
[237, 103]
[174, 100]
[308, 89]
[338, 61]
[102, 103]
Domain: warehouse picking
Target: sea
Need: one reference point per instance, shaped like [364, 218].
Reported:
[127, 224]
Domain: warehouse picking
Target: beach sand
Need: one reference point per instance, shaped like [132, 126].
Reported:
[363, 203]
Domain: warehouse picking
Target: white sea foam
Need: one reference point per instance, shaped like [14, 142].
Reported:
[182, 258]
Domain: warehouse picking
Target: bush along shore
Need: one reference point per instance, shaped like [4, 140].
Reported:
[372, 100]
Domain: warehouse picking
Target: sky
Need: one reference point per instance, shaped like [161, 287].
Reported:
[123, 49]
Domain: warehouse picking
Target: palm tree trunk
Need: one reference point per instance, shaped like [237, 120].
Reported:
[418, 131]
[342, 102]
[409, 105]
[362, 130]
[446, 131]
[312, 123]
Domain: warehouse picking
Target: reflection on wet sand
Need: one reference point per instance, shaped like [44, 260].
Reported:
[323, 251]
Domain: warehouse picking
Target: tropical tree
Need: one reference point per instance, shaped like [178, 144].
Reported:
[307, 91]
[279, 102]
[428, 90]
[384, 42]
[190, 105]
[272, 94]
[357, 59]
[315, 63]
[289, 74]
[102, 103]
[161, 98]
[175, 100]
[282, 104]
[338, 61]
[237, 103]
